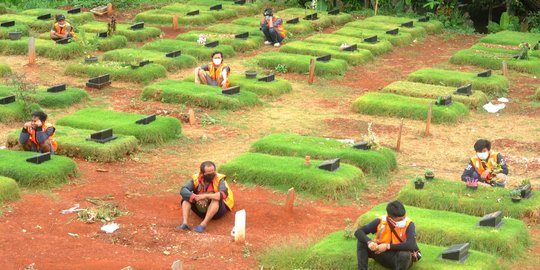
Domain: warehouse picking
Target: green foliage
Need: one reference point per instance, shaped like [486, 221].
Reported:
[112, 43]
[49, 100]
[228, 28]
[164, 17]
[281, 68]
[239, 45]
[354, 58]
[418, 179]
[379, 48]
[510, 38]
[493, 27]
[13, 112]
[198, 51]
[286, 172]
[222, 14]
[45, 48]
[486, 58]
[9, 190]
[30, 21]
[4, 70]
[163, 129]
[378, 162]
[136, 55]
[123, 29]
[300, 63]
[71, 18]
[534, 21]
[323, 20]
[118, 71]
[397, 40]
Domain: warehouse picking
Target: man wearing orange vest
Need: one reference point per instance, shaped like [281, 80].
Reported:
[38, 135]
[208, 195]
[272, 28]
[61, 29]
[214, 73]
[488, 167]
[394, 245]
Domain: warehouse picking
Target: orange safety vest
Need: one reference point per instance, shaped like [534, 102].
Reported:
[229, 201]
[215, 72]
[279, 27]
[62, 30]
[384, 234]
[51, 139]
[480, 166]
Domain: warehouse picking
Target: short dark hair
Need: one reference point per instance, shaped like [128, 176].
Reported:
[41, 115]
[395, 209]
[207, 164]
[268, 12]
[217, 52]
[481, 144]
[60, 17]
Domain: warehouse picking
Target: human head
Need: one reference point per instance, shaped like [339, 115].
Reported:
[482, 145]
[268, 12]
[395, 211]
[217, 57]
[39, 115]
[60, 18]
[207, 167]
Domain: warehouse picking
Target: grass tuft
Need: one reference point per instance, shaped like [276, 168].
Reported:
[188, 47]
[9, 190]
[4, 70]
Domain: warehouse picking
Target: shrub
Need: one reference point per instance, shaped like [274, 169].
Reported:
[72, 18]
[206, 96]
[286, 172]
[487, 59]
[118, 71]
[239, 45]
[416, 32]
[13, 164]
[4, 31]
[381, 47]
[357, 57]
[4, 70]
[387, 104]
[300, 63]
[511, 38]
[9, 190]
[124, 30]
[431, 26]
[190, 48]
[163, 129]
[378, 162]
[136, 55]
[45, 48]
[302, 28]
[397, 40]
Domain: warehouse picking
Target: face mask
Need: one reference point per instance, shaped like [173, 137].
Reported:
[401, 224]
[483, 155]
[61, 24]
[217, 61]
[208, 177]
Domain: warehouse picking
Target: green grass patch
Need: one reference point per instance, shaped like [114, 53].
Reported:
[217, 14]
[416, 32]
[30, 21]
[229, 28]
[397, 40]
[45, 48]
[509, 241]
[299, 63]
[164, 17]
[511, 38]
[163, 129]
[112, 43]
[379, 48]
[286, 172]
[51, 100]
[431, 26]
[4, 31]
[15, 112]
[72, 18]
[118, 71]
[274, 88]
[72, 142]
[246, 9]
[378, 162]
[9, 190]
[239, 45]
[454, 196]
[205, 96]
[302, 28]
[322, 22]
[494, 85]
[388, 104]
[4, 70]
[123, 29]
[489, 59]
[536, 94]
[354, 58]
[198, 51]
[51, 173]
[421, 90]
[136, 55]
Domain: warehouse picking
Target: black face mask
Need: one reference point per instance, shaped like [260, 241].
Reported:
[209, 177]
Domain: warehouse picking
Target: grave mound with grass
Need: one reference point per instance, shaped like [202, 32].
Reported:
[245, 9]
[15, 111]
[13, 164]
[397, 40]
[416, 32]
[493, 85]
[229, 28]
[225, 13]
[443, 228]
[124, 30]
[381, 47]
[206, 96]
[357, 57]
[132, 56]
[378, 162]
[283, 173]
[511, 38]
[118, 71]
[77, 18]
[274, 88]
[432, 91]
[323, 20]
[72, 143]
[198, 51]
[456, 197]
[31, 21]
[45, 48]
[9, 190]
[23, 28]
[4, 70]
[486, 58]
[165, 17]
[164, 128]
[431, 26]
[299, 63]
[302, 28]
[239, 45]
[388, 104]
[112, 43]
[46, 99]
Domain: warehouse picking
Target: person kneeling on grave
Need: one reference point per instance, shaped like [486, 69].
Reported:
[214, 73]
[394, 245]
[272, 28]
[38, 135]
[487, 167]
[62, 29]
[208, 195]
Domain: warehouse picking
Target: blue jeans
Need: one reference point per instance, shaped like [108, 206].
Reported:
[271, 34]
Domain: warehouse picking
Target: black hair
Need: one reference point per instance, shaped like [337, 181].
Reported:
[41, 115]
[206, 164]
[60, 17]
[268, 12]
[217, 52]
[481, 144]
[395, 209]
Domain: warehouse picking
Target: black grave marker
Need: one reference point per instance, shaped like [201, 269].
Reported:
[144, 63]
[267, 78]
[393, 32]
[7, 100]
[99, 82]
[324, 58]
[486, 73]
[459, 252]
[293, 21]
[44, 17]
[63, 41]
[102, 136]
[239, 2]
[193, 13]
[424, 19]
[311, 17]
[362, 146]
[174, 54]
[491, 220]
[103, 34]
[444, 101]
[372, 39]
[231, 90]
[39, 158]
[244, 35]
[351, 48]
[333, 12]
[7, 24]
[57, 88]
[536, 47]
[409, 24]
[147, 120]
[212, 44]
[464, 90]
[217, 7]
[330, 165]
[74, 11]
[526, 191]
[137, 26]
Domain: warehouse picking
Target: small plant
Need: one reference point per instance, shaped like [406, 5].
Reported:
[371, 138]
[245, 251]
[515, 195]
[418, 182]
[349, 229]
[429, 174]
[525, 182]
[24, 91]
[111, 26]
[103, 211]
[89, 45]
[207, 120]
[281, 68]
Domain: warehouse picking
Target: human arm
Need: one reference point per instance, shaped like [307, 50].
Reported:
[370, 228]
[221, 193]
[25, 136]
[42, 136]
[187, 191]
[469, 172]
[277, 22]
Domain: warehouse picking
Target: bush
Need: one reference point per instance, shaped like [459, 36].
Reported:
[206, 96]
[4, 70]
[45, 48]
[239, 45]
[164, 17]
[420, 90]
[486, 59]
[355, 58]
[286, 172]
[416, 32]
[72, 142]
[511, 38]
[198, 51]
[163, 129]
[217, 14]
[4, 31]
[379, 48]
[118, 71]
[9, 190]
[123, 30]
[454, 196]
[377, 162]
[302, 28]
[13, 164]
[300, 63]
[431, 26]
[397, 40]
[494, 85]
[136, 55]
[387, 104]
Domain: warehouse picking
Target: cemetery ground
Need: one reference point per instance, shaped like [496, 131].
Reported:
[146, 185]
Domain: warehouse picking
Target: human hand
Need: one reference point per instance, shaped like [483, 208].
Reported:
[501, 177]
[484, 175]
[372, 246]
[200, 197]
[381, 248]
[27, 125]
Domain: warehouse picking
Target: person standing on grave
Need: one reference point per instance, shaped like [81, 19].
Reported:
[488, 167]
[62, 29]
[214, 73]
[208, 195]
[38, 135]
[394, 246]
[272, 28]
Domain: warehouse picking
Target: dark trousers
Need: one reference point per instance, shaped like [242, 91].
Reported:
[271, 34]
[221, 212]
[397, 260]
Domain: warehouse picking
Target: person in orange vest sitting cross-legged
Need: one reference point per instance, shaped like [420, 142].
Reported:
[62, 29]
[394, 245]
[487, 167]
[38, 135]
[272, 28]
[214, 73]
[208, 195]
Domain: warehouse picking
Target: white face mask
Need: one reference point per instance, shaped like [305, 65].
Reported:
[401, 224]
[483, 155]
[217, 61]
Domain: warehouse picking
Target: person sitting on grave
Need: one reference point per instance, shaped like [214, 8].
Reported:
[208, 195]
[487, 167]
[38, 135]
[62, 29]
[214, 73]
[272, 28]
[394, 246]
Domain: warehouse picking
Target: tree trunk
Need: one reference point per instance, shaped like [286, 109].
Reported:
[366, 3]
[490, 13]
